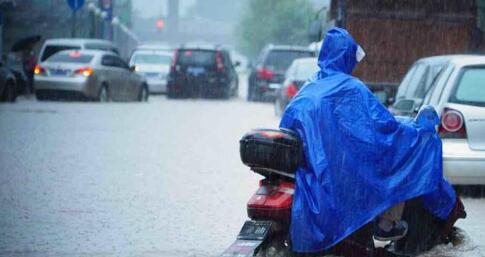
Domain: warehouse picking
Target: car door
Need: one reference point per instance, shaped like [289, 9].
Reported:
[114, 76]
[130, 83]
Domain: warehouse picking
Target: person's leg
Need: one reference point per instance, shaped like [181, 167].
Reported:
[389, 224]
[388, 218]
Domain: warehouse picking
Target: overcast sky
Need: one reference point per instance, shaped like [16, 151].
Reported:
[149, 8]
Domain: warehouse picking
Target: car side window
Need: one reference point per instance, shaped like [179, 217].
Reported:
[120, 63]
[114, 62]
[417, 85]
[108, 61]
[435, 93]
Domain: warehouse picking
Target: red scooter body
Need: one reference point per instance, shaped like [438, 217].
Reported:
[272, 201]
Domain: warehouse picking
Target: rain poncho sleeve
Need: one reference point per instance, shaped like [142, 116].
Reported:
[359, 159]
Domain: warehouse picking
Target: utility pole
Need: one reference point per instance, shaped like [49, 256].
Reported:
[74, 24]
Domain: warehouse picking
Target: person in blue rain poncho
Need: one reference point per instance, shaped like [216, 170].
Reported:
[360, 161]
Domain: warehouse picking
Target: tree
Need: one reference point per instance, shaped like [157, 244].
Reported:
[220, 10]
[274, 21]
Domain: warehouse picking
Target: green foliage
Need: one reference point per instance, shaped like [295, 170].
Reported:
[274, 21]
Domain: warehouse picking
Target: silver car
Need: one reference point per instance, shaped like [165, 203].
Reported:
[154, 65]
[457, 92]
[91, 74]
[298, 73]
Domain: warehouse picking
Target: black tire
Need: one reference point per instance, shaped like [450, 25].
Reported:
[10, 94]
[226, 92]
[143, 94]
[235, 91]
[103, 95]
[251, 97]
[171, 94]
[41, 96]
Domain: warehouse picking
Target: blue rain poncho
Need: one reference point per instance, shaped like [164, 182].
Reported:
[359, 159]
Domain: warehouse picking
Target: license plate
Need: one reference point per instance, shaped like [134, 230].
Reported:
[152, 74]
[274, 85]
[195, 71]
[252, 235]
[58, 72]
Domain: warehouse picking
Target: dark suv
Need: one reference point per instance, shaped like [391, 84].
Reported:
[268, 73]
[202, 71]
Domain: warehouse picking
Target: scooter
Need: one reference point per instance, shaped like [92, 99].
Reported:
[275, 154]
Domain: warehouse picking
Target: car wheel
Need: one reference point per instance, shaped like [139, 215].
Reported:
[103, 95]
[41, 96]
[235, 91]
[251, 94]
[226, 93]
[10, 92]
[143, 94]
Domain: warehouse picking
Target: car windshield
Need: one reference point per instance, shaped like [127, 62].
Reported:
[73, 57]
[196, 57]
[418, 81]
[151, 58]
[50, 50]
[471, 87]
[103, 47]
[280, 60]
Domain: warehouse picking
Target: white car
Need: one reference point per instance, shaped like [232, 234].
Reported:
[458, 94]
[154, 65]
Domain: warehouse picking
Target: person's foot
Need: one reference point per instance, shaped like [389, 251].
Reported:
[397, 232]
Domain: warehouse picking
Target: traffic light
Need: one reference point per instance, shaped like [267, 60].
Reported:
[160, 24]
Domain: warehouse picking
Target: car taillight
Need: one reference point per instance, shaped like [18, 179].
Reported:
[291, 90]
[38, 70]
[452, 124]
[174, 60]
[265, 74]
[219, 62]
[85, 71]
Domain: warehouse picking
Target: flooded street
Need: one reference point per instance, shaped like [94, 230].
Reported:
[128, 179]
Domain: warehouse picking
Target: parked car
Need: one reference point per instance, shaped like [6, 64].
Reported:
[91, 74]
[14, 64]
[458, 94]
[416, 83]
[154, 65]
[202, 71]
[155, 46]
[268, 72]
[52, 46]
[8, 91]
[299, 72]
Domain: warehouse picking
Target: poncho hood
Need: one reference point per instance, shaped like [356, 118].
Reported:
[338, 52]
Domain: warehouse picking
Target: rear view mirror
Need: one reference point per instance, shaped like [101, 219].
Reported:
[133, 68]
[390, 101]
[405, 105]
